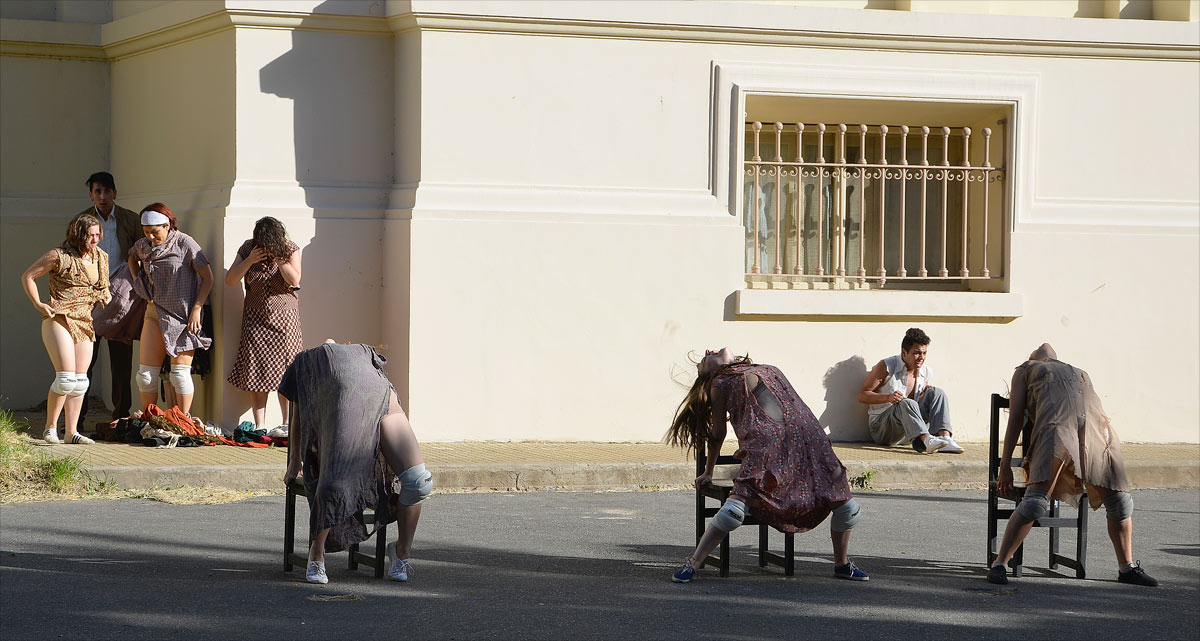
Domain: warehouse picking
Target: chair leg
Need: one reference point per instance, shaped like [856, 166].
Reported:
[353, 550]
[762, 546]
[1081, 537]
[1017, 558]
[380, 551]
[289, 529]
[725, 556]
[1054, 534]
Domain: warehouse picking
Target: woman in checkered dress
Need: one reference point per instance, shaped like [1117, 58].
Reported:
[172, 273]
[269, 264]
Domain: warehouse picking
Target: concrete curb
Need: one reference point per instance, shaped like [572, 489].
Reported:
[592, 477]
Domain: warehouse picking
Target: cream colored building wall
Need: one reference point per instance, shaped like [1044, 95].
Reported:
[1112, 9]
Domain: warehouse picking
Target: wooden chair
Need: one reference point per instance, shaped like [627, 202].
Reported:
[719, 490]
[290, 558]
[1053, 521]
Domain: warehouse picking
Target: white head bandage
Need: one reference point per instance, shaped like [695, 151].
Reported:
[151, 217]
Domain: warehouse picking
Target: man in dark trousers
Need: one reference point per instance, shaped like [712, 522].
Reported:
[120, 229]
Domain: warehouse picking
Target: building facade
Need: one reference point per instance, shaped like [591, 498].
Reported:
[541, 209]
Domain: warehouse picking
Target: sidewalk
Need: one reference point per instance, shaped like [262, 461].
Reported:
[587, 466]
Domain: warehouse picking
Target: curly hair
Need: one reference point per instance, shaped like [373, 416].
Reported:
[77, 233]
[692, 424]
[914, 336]
[271, 236]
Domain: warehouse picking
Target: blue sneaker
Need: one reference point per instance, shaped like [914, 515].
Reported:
[851, 572]
[684, 574]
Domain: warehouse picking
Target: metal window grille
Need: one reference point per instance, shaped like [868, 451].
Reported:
[856, 206]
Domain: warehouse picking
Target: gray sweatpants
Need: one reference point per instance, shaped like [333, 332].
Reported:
[909, 419]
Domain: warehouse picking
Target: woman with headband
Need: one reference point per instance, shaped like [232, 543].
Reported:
[172, 273]
[78, 281]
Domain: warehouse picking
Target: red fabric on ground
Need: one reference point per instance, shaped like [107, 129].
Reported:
[181, 420]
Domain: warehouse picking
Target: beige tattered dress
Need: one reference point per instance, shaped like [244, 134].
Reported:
[1069, 425]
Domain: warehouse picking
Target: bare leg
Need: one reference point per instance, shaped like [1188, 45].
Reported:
[151, 352]
[708, 542]
[316, 550]
[1018, 528]
[259, 408]
[83, 357]
[184, 401]
[841, 543]
[283, 406]
[1119, 532]
[401, 451]
[61, 350]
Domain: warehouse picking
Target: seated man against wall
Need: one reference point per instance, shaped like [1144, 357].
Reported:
[903, 406]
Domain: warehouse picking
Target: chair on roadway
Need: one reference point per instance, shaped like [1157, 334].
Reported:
[1053, 521]
[719, 490]
[290, 558]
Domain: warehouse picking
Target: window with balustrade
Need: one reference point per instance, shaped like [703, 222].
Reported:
[903, 202]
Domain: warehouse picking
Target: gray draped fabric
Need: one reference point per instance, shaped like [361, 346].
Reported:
[341, 394]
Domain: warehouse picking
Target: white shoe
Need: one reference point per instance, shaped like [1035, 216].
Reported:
[51, 436]
[280, 431]
[316, 572]
[934, 443]
[951, 447]
[400, 567]
[80, 439]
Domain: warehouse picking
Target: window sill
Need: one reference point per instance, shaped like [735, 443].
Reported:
[751, 304]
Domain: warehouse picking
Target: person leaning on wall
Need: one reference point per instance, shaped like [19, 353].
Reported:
[173, 275]
[78, 272]
[119, 230]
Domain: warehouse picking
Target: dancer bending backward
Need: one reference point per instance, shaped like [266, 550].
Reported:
[172, 273]
[270, 265]
[78, 282]
[1072, 448]
[344, 415]
[790, 478]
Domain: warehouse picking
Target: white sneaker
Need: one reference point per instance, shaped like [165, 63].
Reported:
[280, 431]
[51, 436]
[951, 447]
[80, 439]
[400, 567]
[934, 443]
[316, 572]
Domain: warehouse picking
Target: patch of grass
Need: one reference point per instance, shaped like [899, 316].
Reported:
[863, 481]
[28, 473]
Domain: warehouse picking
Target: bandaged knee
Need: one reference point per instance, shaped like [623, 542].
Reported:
[81, 385]
[1034, 505]
[1119, 506]
[415, 484]
[181, 379]
[145, 379]
[64, 383]
[730, 516]
[845, 516]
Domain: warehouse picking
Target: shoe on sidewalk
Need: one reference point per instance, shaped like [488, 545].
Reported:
[1137, 576]
[951, 447]
[850, 572]
[51, 436]
[930, 445]
[998, 574]
[400, 567]
[316, 572]
[80, 439]
[279, 431]
[684, 574]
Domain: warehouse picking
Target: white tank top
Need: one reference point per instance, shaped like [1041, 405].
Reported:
[895, 382]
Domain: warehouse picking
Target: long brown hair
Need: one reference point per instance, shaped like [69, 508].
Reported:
[77, 233]
[693, 420]
[271, 236]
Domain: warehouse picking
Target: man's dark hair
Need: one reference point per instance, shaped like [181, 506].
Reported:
[102, 177]
[914, 336]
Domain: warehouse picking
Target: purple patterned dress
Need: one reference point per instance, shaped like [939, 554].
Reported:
[790, 476]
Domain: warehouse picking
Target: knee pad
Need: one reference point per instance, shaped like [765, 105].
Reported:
[845, 516]
[145, 379]
[81, 385]
[415, 484]
[181, 379]
[1119, 506]
[1034, 505]
[64, 383]
[730, 516]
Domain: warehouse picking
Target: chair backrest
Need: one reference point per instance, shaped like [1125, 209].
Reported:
[996, 440]
[702, 459]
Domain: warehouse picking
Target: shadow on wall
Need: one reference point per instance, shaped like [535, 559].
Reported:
[845, 417]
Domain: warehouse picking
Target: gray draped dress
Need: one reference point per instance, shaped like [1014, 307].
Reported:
[341, 393]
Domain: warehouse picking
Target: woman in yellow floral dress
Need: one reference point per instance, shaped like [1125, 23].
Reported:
[78, 272]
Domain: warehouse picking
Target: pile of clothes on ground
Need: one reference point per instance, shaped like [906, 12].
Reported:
[174, 428]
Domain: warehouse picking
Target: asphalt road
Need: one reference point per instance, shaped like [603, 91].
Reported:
[578, 566]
